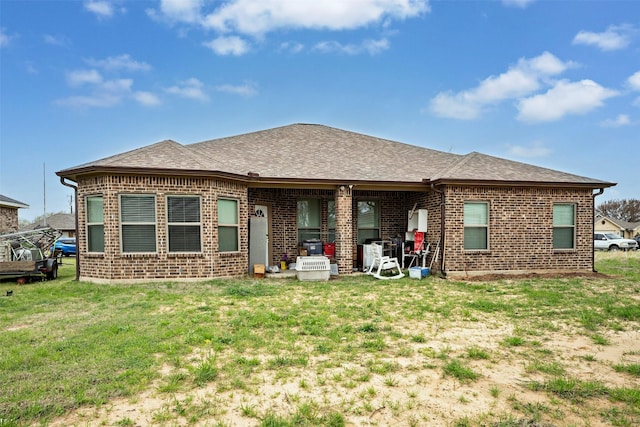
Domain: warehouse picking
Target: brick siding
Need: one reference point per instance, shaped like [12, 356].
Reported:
[8, 220]
[112, 265]
[520, 231]
[520, 228]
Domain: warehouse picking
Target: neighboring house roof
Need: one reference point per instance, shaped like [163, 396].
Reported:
[304, 152]
[624, 225]
[11, 203]
[59, 221]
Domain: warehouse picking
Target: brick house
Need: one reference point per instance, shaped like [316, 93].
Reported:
[9, 214]
[172, 211]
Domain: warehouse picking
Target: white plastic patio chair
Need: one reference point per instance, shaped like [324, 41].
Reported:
[384, 267]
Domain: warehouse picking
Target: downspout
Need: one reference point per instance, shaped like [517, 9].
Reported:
[442, 229]
[75, 198]
[593, 229]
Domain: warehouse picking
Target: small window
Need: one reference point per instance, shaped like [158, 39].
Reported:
[564, 226]
[228, 225]
[476, 226]
[183, 223]
[138, 223]
[95, 223]
[309, 219]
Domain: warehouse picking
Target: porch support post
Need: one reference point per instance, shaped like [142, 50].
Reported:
[344, 229]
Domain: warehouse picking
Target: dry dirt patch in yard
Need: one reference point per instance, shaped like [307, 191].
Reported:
[413, 392]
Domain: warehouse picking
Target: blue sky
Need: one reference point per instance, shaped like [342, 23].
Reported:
[551, 83]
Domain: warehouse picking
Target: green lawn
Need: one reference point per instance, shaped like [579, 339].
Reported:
[351, 351]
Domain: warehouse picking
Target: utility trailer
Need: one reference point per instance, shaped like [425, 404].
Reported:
[23, 254]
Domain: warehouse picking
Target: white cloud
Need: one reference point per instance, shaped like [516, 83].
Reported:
[247, 89]
[619, 121]
[291, 47]
[256, 18]
[184, 11]
[102, 9]
[519, 80]
[5, 39]
[614, 38]
[562, 99]
[517, 3]
[537, 149]
[99, 100]
[120, 62]
[372, 47]
[232, 45]
[102, 93]
[634, 80]
[81, 77]
[191, 88]
[146, 98]
[55, 40]
[234, 19]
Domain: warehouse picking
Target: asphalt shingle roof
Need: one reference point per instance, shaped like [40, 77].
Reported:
[8, 201]
[317, 152]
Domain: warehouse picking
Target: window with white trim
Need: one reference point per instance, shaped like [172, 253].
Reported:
[183, 224]
[564, 226]
[228, 225]
[476, 226]
[95, 223]
[138, 223]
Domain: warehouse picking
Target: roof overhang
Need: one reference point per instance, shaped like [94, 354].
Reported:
[252, 180]
[542, 184]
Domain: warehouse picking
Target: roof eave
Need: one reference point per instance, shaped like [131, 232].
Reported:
[253, 180]
[500, 183]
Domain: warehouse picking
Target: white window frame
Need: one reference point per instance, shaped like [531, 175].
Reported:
[124, 224]
[223, 225]
[197, 223]
[475, 226]
[560, 226]
[90, 225]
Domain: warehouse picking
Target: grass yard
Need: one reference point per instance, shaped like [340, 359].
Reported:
[353, 351]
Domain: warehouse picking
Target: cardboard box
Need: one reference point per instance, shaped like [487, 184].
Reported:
[258, 271]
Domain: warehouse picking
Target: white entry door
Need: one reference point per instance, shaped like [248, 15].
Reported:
[259, 237]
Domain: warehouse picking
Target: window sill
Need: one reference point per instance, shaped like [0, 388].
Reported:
[185, 255]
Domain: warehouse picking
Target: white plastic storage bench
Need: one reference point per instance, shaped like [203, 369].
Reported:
[313, 268]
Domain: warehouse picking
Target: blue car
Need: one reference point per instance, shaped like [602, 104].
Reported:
[66, 246]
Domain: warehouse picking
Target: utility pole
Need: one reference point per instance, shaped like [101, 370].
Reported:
[44, 194]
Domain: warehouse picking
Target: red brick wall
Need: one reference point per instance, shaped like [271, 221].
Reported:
[520, 227]
[112, 265]
[520, 231]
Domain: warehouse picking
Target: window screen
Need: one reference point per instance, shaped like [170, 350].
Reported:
[95, 224]
[228, 225]
[138, 222]
[183, 221]
[476, 225]
[564, 221]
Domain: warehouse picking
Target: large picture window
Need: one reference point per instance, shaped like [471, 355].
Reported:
[228, 226]
[476, 226]
[183, 223]
[564, 226]
[309, 219]
[95, 223]
[368, 220]
[138, 223]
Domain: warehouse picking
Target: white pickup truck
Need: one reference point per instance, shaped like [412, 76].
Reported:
[613, 242]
